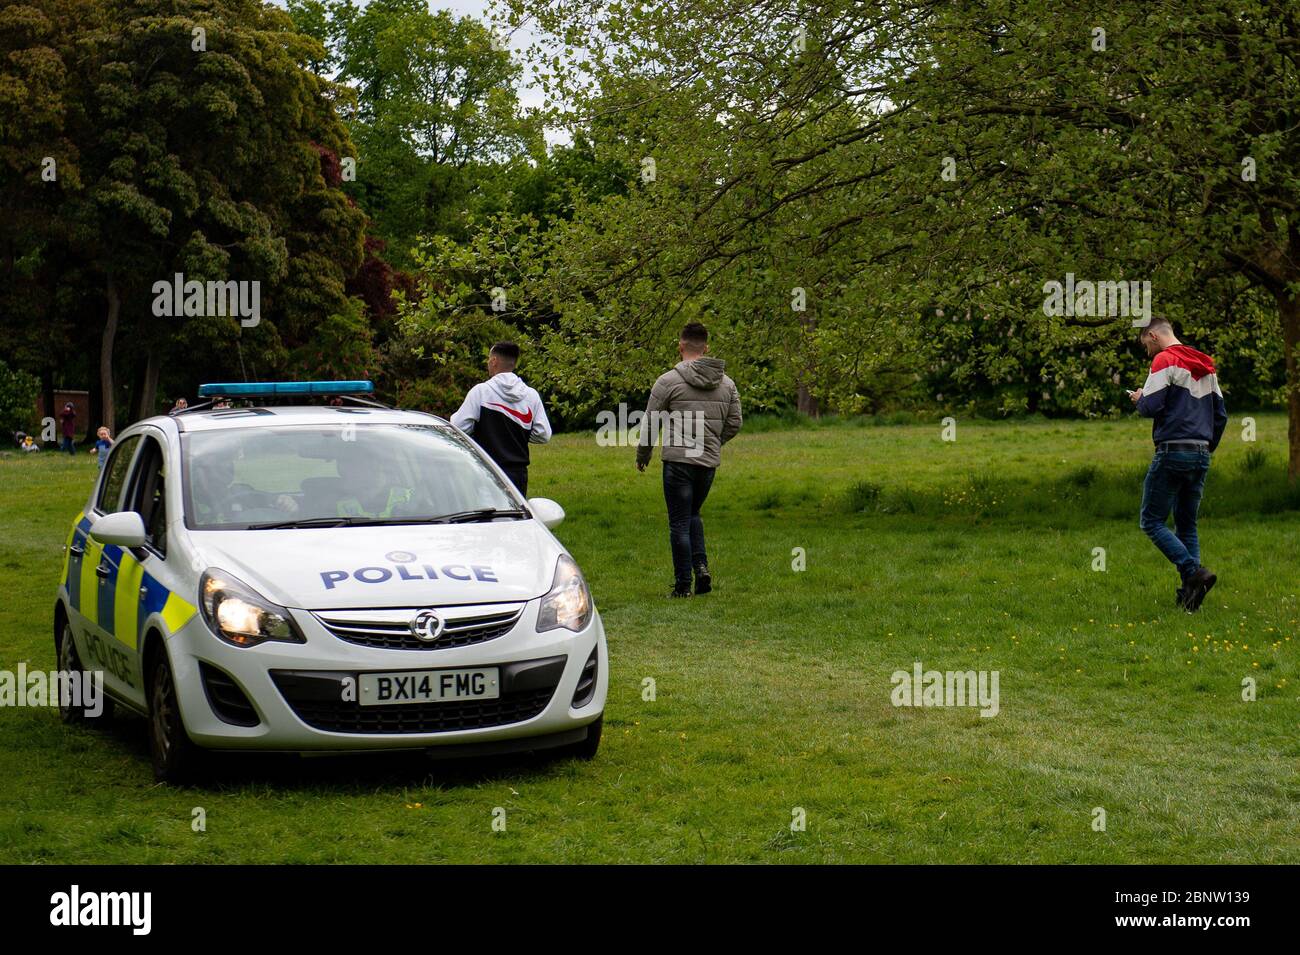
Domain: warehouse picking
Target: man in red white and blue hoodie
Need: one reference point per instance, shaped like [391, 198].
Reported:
[504, 416]
[1182, 395]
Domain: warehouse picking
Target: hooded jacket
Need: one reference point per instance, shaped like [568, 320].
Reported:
[695, 409]
[503, 416]
[1182, 395]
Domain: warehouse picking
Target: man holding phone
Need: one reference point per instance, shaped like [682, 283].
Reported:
[1182, 394]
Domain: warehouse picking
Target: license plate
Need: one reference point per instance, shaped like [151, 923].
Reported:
[429, 686]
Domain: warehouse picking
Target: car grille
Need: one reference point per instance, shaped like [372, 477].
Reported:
[317, 699]
[391, 629]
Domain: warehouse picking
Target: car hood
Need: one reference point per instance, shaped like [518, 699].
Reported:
[396, 566]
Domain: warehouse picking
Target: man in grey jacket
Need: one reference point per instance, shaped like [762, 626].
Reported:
[696, 410]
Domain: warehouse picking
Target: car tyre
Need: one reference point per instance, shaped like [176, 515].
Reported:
[70, 662]
[175, 757]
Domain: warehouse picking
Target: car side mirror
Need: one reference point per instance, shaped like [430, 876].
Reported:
[546, 511]
[125, 529]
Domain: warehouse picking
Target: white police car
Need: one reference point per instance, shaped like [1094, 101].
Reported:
[326, 578]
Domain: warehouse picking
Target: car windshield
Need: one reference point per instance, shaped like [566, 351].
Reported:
[359, 474]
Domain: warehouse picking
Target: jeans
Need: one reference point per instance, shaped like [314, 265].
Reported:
[685, 488]
[66, 445]
[1174, 482]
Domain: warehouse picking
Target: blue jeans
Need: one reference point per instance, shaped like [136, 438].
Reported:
[1174, 482]
[685, 488]
[66, 445]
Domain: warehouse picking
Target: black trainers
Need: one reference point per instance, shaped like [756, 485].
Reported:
[703, 579]
[680, 590]
[1180, 598]
[1198, 585]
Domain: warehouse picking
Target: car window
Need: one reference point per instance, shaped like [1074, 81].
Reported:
[115, 472]
[147, 495]
[243, 476]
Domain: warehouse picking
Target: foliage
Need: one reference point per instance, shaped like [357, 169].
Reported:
[18, 391]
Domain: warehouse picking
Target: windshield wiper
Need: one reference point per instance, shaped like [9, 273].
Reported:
[481, 514]
[458, 517]
[303, 522]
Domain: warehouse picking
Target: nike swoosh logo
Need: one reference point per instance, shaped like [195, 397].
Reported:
[526, 418]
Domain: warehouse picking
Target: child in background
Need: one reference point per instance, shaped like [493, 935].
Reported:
[102, 444]
[29, 445]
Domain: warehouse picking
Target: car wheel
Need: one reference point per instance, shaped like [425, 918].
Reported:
[70, 662]
[175, 757]
[587, 748]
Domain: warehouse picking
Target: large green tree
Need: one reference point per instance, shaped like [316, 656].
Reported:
[431, 105]
[880, 162]
[41, 295]
[193, 139]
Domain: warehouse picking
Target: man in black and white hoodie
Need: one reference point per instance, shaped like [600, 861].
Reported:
[503, 415]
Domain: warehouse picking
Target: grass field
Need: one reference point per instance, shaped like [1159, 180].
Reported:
[773, 693]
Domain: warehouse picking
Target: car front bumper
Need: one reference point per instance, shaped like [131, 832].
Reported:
[296, 690]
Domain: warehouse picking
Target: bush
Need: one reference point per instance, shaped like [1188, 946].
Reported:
[18, 391]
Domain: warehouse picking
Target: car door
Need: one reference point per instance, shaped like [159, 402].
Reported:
[133, 573]
[92, 577]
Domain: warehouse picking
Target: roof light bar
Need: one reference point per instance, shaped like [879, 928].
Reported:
[269, 389]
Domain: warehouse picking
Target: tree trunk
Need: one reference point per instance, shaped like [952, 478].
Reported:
[106, 354]
[805, 401]
[94, 395]
[147, 406]
[47, 392]
[1289, 312]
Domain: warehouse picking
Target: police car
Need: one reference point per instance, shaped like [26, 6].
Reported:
[328, 577]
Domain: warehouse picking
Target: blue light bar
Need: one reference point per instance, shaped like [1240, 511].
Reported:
[268, 389]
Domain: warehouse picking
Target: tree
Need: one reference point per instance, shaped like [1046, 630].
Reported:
[888, 159]
[42, 303]
[197, 143]
[431, 105]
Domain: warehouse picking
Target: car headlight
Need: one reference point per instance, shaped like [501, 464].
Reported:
[240, 615]
[569, 602]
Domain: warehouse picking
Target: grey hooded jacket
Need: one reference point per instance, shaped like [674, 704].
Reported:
[695, 409]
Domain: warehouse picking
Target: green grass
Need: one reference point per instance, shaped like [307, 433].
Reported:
[774, 692]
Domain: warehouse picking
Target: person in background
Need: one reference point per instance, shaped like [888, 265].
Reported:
[103, 441]
[504, 416]
[696, 408]
[1182, 395]
[29, 445]
[69, 417]
[181, 405]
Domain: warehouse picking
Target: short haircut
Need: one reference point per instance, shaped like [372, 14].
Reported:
[1157, 324]
[695, 335]
[508, 352]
